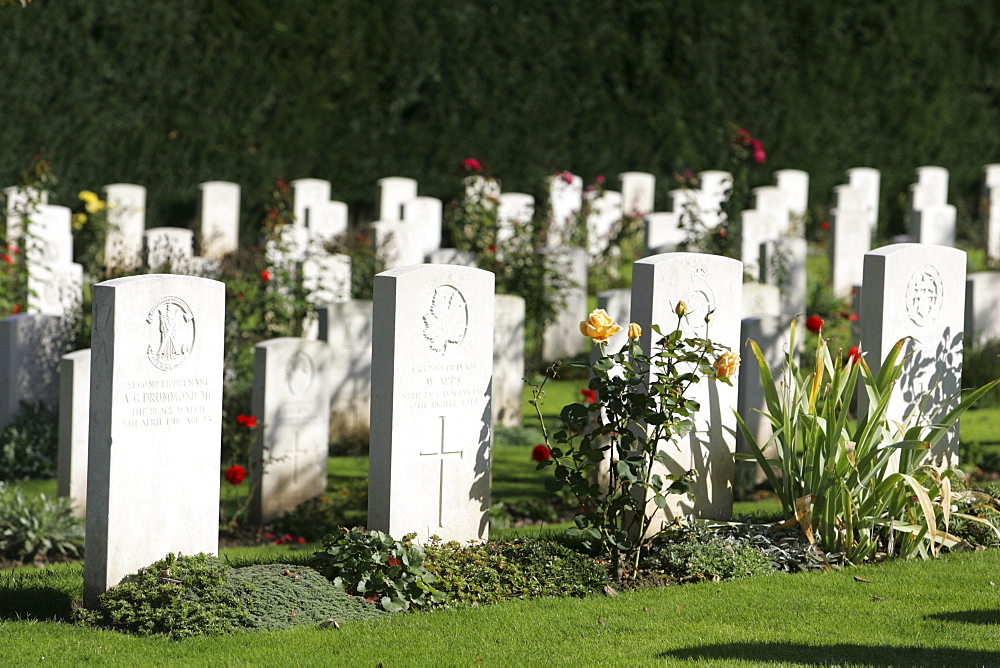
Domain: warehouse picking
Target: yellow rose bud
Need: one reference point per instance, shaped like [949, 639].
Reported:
[726, 365]
[88, 196]
[681, 309]
[79, 220]
[634, 331]
[599, 326]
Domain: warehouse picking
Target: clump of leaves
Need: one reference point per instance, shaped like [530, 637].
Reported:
[29, 445]
[37, 528]
[178, 596]
[693, 555]
[523, 568]
[285, 595]
[378, 567]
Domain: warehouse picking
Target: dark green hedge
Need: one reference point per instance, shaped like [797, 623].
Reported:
[169, 94]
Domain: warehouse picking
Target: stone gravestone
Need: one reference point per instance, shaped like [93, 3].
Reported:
[30, 347]
[55, 282]
[565, 202]
[917, 291]
[19, 203]
[326, 278]
[425, 215]
[850, 239]
[771, 333]
[327, 221]
[307, 195]
[155, 424]
[347, 328]
[452, 256]
[760, 299]
[432, 369]
[991, 199]
[127, 218]
[638, 193]
[169, 248]
[398, 244]
[508, 359]
[869, 181]
[218, 218]
[605, 213]
[783, 264]
[395, 191]
[663, 233]
[560, 339]
[982, 307]
[794, 185]
[74, 427]
[714, 186]
[291, 396]
[513, 208]
[706, 283]
[931, 219]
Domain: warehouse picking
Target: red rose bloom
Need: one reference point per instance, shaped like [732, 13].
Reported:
[265, 275]
[567, 177]
[600, 178]
[472, 165]
[853, 355]
[248, 421]
[235, 474]
[589, 395]
[540, 453]
[814, 324]
[757, 149]
[824, 225]
[17, 308]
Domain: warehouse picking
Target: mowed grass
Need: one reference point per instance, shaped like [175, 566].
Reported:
[943, 612]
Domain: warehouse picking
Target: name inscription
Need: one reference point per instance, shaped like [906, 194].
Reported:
[445, 386]
[167, 403]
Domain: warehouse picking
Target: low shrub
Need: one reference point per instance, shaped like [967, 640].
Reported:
[378, 567]
[523, 568]
[701, 555]
[37, 528]
[286, 595]
[344, 506]
[178, 596]
[29, 446]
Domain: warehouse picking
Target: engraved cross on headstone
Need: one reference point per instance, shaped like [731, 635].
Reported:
[440, 453]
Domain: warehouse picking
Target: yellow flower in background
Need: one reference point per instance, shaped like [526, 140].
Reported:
[93, 203]
[79, 220]
[726, 365]
[599, 326]
[634, 331]
[681, 309]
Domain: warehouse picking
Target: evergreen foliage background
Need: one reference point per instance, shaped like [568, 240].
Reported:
[170, 94]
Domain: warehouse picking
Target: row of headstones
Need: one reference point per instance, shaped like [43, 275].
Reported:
[156, 393]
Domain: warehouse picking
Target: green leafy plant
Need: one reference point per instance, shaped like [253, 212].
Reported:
[859, 491]
[698, 555]
[178, 596]
[639, 405]
[378, 567]
[37, 528]
[30, 444]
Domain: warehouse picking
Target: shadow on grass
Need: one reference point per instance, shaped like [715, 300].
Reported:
[988, 617]
[34, 602]
[841, 654]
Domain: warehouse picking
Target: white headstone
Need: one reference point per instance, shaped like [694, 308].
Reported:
[327, 221]
[452, 256]
[219, 218]
[508, 359]
[638, 193]
[770, 200]
[74, 427]
[982, 307]
[605, 213]
[706, 283]
[155, 424]
[783, 264]
[933, 224]
[169, 248]
[19, 203]
[398, 244]
[565, 202]
[714, 187]
[850, 239]
[432, 368]
[771, 333]
[395, 191]
[992, 200]
[513, 208]
[325, 279]
[30, 348]
[663, 233]
[756, 227]
[760, 300]
[561, 339]
[291, 396]
[50, 236]
[425, 215]
[55, 290]
[918, 291]
[794, 185]
[126, 207]
[869, 181]
[308, 194]
[347, 328]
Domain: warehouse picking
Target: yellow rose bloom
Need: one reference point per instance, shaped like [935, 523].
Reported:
[634, 331]
[88, 196]
[681, 309]
[94, 207]
[599, 326]
[79, 220]
[726, 365]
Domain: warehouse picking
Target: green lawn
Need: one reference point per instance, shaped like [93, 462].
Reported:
[944, 612]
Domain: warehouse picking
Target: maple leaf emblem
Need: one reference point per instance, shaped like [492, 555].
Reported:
[447, 320]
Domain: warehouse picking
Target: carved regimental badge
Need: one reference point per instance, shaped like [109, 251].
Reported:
[700, 301]
[924, 295]
[447, 320]
[299, 372]
[171, 333]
